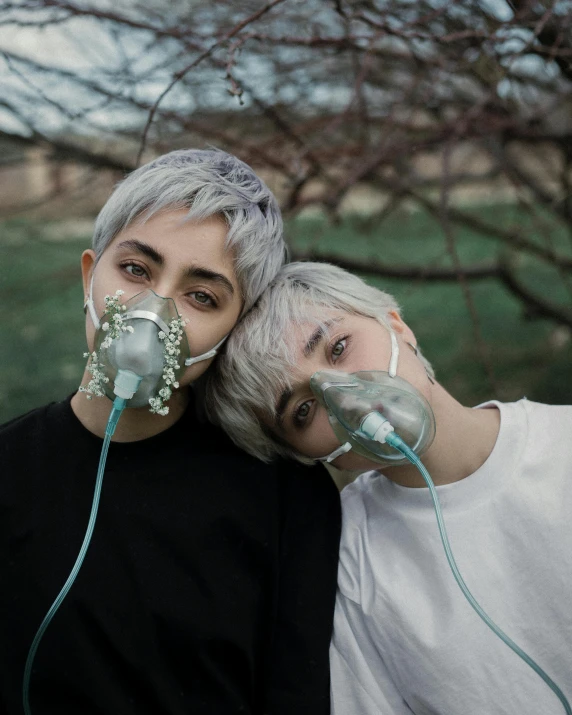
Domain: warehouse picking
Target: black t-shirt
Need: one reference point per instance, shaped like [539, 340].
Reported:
[208, 587]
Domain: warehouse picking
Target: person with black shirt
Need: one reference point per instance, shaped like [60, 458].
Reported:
[209, 585]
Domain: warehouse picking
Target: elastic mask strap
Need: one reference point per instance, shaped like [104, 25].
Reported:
[394, 354]
[90, 306]
[392, 370]
[335, 454]
[205, 356]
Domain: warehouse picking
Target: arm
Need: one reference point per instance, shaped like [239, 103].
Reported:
[361, 684]
[298, 678]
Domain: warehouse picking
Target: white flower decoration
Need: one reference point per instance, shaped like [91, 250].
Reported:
[113, 329]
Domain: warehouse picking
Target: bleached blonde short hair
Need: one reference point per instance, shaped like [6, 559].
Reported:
[206, 182]
[258, 359]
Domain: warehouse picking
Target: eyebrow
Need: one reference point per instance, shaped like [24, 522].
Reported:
[208, 275]
[316, 338]
[281, 405]
[312, 343]
[143, 248]
[192, 272]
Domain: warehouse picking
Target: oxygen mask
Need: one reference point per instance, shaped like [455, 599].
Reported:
[140, 351]
[364, 407]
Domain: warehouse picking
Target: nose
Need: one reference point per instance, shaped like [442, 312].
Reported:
[168, 291]
[163, 290]
[323, 379]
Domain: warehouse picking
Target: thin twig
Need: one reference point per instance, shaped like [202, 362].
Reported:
[181, 73]
[452, 249]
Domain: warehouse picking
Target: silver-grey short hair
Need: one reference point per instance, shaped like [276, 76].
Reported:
[240, 390]
[208, 183]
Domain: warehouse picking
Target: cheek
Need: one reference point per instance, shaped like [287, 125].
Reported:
[202, 335]
[375, 356]
[109, 285]
[319, 439]
[410, 368]
[206, 328]
[192, 373]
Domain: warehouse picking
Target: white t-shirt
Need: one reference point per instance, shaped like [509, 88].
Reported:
[405, 638]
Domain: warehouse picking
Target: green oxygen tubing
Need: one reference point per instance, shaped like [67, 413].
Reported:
[395, 441]
[118, 407]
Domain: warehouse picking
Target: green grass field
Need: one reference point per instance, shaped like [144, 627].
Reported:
[42, 325]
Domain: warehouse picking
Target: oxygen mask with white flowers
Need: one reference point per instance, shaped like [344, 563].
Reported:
[140, 351]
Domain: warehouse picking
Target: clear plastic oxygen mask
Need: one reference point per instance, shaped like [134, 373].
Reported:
[143, 338]
[140, 350]
[363, 404]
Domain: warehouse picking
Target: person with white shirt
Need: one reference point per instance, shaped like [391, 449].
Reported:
[405, 638]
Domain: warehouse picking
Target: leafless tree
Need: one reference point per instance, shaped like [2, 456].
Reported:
[419, 102]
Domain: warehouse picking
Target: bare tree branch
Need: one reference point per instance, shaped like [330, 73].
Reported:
[332, 101]
[181, 73]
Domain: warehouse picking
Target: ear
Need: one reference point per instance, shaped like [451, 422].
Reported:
[87, 266]
[401, 328]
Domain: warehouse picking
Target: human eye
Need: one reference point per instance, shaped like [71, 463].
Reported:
[134, 270]
[301, 413]
[203, 298]
[338, 346]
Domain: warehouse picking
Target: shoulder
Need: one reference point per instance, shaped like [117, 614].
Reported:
[294, 487]
[534, 440]
[310, 511]
[292, 481]
[541, 421]
[356, 496]
[25, 434]
[546, 413]
[531, 410]
[22, 439]
[356, 501]
[307, 494]
[21, 425]
[548, 428]
[305, 478]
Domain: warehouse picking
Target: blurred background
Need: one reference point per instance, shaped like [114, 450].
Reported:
[425, 145]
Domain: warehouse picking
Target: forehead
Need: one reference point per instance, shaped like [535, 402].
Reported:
[308, 339]
[315, 329]
[327, 320]
[175, 236]
[300, 328]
